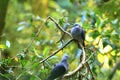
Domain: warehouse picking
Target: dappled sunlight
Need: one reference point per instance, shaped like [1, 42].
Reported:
[107, 49]
[35, 34]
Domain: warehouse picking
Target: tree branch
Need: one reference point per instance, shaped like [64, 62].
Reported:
[79, 66]
[83, 62]
[114, 70]
[90, 70]
[56, 51]
[58, 26]
[29, 45]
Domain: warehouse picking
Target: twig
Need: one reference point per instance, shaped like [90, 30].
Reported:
[22, 73]
[85, 72]
[36, 35]
[44, 69]
[86, 62]
[90, 70]
[81, 76]
[89, 57]
[19, 75]
[61, 38]
[56, 51]
[4, 76]
[58, 26]
[113, 71]
[79, 66]
[83, 62]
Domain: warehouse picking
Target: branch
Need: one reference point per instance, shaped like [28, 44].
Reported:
[58, 26]
[86, 72]
[4, 76]
[61, 38]
[56, 51]
[90, 70]
[114, 70]
[79, 66]
[29, 45]
[89, 57]
[83, 62]
[86, 62]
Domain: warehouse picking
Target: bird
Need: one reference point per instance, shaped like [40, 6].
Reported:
[78, 34]
[59, 69]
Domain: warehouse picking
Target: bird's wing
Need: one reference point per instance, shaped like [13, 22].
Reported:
[83, 34]
[58, 70]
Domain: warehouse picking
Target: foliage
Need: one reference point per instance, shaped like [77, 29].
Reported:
[20, 57]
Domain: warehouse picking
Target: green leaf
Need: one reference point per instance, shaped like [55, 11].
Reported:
[9, 60]
[2, 46]
[111, 62]
[46, 51]
[61, 21]
[23, 62]
[94, 34]
[36, 53]
[46, 23]
[105, 42]
[35, 65]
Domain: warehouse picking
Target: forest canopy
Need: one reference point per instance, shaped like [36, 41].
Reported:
[35, 34]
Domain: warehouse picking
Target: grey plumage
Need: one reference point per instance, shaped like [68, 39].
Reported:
[78, 34]
[60, 69]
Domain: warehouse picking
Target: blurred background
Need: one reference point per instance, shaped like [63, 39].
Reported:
[20, 20]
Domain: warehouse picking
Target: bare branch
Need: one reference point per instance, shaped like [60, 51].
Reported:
[36, 35]
[86, 72]
[56, 51]
[90, 70]
[79, 66]
[86, 62]
[114, 70]
[4, 76]
[61, 38]
[83, 62]
[58, 26]
[89, 57]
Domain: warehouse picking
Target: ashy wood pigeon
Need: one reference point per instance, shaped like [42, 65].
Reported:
[59, 69]
[78, 34]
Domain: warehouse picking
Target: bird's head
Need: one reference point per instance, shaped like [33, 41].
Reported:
[76, 25]
[65, 57]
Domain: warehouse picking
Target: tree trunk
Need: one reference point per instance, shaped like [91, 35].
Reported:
[3, 10]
